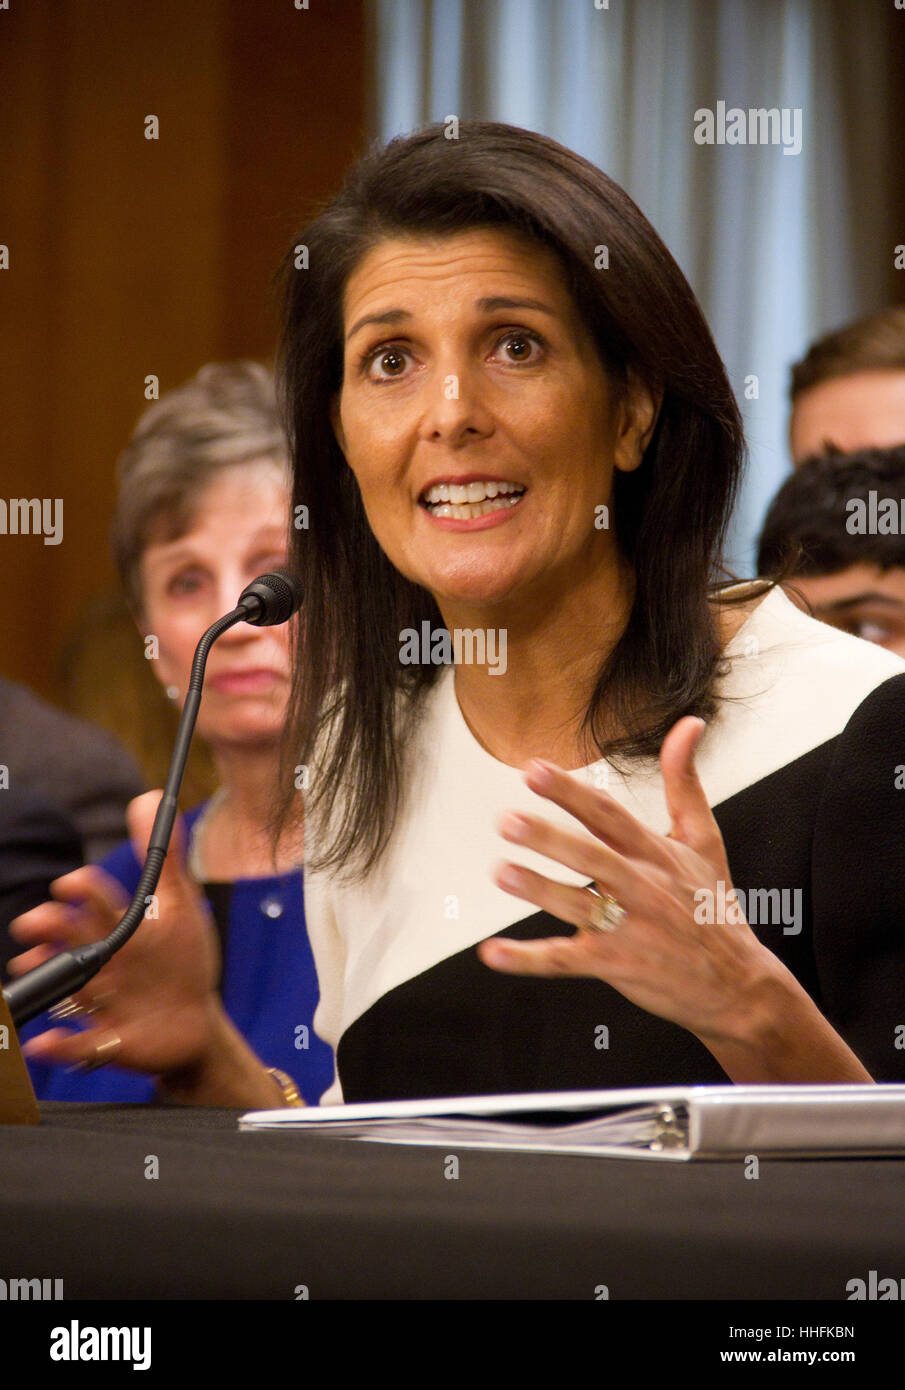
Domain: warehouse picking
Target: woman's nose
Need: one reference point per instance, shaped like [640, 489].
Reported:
[228, 591]
[456, 402]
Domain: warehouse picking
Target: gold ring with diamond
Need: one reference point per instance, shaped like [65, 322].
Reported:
[605, 915]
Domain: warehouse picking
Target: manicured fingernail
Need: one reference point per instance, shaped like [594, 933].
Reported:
[509, 876]
[514, 826]
[540, 772]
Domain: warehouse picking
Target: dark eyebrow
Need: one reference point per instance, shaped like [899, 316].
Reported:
[486, 306]
[390, 316]
[490, 306]
[840, 605]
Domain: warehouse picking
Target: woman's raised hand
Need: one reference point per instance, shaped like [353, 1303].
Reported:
[155, 1003]
[716, 980]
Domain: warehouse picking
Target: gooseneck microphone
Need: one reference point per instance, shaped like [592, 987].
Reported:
[268, 601]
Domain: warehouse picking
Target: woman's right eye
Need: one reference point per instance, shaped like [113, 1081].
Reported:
[383, 355]
[185, 583]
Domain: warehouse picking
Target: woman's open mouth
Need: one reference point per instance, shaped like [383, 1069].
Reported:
[467, 501]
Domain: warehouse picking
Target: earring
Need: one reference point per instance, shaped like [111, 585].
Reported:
[172, 692]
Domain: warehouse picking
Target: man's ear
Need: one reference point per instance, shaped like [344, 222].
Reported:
[640, 409]
[336, 422]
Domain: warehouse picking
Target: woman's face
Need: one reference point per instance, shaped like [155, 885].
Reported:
[468, 374]
[239, 531]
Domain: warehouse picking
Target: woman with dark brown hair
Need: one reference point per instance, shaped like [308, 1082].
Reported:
[516, 451]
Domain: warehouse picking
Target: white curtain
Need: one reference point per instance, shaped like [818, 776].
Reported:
[778, 248]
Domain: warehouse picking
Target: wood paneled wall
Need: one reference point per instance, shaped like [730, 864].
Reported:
[130, 256]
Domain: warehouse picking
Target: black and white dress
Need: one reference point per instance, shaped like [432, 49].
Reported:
[804, 767]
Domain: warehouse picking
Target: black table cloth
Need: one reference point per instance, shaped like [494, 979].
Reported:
[271, 1215]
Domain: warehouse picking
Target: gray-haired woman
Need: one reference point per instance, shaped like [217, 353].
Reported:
[203, 507]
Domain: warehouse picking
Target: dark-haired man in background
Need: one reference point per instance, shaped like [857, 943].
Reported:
[836, 531]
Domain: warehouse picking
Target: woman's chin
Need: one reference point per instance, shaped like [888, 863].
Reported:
[251, 731]
[487, 587]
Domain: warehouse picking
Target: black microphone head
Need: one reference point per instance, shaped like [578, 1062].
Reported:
[272, 598]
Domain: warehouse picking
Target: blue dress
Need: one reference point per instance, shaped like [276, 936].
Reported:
[268, 987]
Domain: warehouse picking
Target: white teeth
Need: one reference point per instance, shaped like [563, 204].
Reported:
[468, 510]
[461, 493]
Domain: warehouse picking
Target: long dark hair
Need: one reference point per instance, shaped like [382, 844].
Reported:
[669, 515]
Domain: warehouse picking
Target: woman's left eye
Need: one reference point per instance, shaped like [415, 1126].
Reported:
[522, 338]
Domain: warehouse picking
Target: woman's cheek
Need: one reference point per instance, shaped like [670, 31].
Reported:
[171, 658]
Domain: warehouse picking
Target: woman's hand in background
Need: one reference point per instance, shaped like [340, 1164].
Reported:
[158, 994]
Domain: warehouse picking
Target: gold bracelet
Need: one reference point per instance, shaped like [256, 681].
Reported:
[287, 1086]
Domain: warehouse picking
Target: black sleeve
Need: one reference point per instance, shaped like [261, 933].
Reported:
[858, 878]
[38, 843]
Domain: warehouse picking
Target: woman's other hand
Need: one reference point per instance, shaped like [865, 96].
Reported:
[158, 994]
